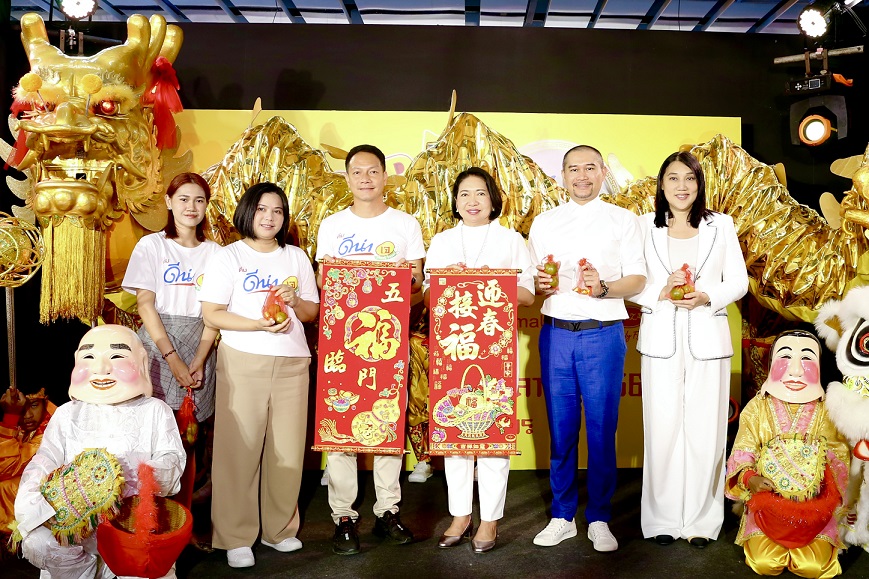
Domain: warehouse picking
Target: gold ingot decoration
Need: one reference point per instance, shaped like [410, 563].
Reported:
[21, 251]
[92, 158]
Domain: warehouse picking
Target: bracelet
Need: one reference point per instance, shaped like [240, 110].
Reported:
[169, 353]
[604, 290]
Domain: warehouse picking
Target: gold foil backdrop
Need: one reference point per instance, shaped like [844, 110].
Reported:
[795, 260]
[275, 152]
[466, 142]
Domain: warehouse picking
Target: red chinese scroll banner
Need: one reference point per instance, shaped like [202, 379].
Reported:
[363, 354]
[472, 366]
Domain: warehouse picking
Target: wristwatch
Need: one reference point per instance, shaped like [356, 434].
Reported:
[604, 290]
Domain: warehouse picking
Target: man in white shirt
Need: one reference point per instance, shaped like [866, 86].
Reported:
[369, 230]
[599, 249]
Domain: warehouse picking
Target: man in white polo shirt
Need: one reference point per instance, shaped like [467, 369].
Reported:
[368, 230]
[599, 248]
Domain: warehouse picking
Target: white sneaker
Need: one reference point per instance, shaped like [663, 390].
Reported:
[288, 545]
[555, 532]
[421, 473]
[599, 534]
[240, 557]
[324, 480]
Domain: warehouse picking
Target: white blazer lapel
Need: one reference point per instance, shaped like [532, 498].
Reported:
[659, 242]
[708, 233]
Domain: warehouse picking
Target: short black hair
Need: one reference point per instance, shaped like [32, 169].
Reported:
[365, 149]
[698, 208]
[588, 148]
[242, 219]
[491, 189]
[796, 334]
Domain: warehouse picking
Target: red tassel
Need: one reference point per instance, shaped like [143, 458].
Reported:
[145, 511]
[163, 95]
[20, 148]
[186, 417]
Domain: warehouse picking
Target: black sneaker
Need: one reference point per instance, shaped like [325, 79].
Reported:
[346, 539]
[390, 525]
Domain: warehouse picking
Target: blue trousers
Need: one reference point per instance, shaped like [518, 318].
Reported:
[582, 368]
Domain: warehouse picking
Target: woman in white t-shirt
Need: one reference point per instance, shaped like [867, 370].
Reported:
[478, 241]
[165, 273]
[262, 378]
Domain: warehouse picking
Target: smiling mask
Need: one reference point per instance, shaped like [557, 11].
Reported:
[795, 370]
[111, 366]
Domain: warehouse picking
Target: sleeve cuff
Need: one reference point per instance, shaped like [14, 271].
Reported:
[746, 476]
[11, 420]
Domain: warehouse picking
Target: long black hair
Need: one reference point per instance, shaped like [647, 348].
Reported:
[698, 208]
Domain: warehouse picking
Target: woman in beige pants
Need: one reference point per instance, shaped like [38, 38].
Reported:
[262, 378]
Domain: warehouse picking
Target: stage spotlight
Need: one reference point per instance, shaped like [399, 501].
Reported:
[816, 120]
[815, 130]
[814, 21]
[78, 9]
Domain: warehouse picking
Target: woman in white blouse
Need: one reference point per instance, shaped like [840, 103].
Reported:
[478, 241]
[686, 349]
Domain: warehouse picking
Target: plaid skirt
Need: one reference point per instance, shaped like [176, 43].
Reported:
[185, 334]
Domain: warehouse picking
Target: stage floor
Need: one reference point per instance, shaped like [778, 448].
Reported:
[424, 511]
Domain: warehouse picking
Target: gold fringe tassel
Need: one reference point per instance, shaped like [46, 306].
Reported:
[74, 271]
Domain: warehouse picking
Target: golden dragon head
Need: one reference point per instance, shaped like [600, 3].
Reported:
[90, 141]
[94, 157]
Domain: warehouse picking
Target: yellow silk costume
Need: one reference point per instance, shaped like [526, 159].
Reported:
[764, 418]
[15, 453]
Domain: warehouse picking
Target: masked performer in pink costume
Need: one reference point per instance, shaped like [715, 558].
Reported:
[110, 408]
[790, 466]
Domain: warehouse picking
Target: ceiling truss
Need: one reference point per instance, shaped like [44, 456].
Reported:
[752, 16]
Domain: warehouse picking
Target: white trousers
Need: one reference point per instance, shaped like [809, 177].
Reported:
[344, 486]
[492, 473]
[685, 403]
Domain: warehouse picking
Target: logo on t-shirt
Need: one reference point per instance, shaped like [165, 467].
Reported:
[199, 281]
[351, 247]
[174, 275]
[385, 250]
[253, 282]
[291, 281]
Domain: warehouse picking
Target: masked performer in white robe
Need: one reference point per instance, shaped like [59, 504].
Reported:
[111, 408]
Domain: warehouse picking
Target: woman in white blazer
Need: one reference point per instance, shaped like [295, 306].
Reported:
[686, 348]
